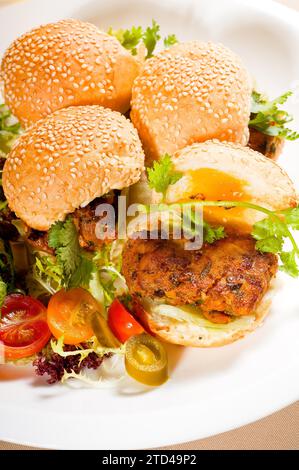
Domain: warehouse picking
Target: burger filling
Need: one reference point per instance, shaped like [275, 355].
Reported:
[85, 220]
[223, 280]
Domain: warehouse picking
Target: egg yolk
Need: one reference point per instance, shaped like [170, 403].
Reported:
[215, 185]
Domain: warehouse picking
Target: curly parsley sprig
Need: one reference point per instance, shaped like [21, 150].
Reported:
[150, 36]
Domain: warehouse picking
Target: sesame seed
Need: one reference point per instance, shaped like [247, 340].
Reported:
[180, 82]
[66, 140]
[45, 61]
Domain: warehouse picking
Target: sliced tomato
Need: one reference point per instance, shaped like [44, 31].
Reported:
[122, 324]
[23, 326]
[70, 313]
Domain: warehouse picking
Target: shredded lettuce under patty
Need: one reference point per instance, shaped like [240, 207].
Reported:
[191, 314]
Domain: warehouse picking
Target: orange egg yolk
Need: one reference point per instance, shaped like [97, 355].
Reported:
[215, 185]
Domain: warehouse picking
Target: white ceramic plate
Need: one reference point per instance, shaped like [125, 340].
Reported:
[210, 391]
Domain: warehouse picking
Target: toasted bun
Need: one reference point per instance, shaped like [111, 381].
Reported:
[225, 171]
[68, 159]
[188, 333]
[220, 171]
[68, 63]
[189, 93]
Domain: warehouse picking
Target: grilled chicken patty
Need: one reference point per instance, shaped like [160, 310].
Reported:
[229, 276]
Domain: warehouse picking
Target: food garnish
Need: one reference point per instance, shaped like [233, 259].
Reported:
[10, 129]
[69, 315]
[131, 38]
[23, 327]
[55, 361]
[271, 232]
[162, 175]
[75, 264]
[90, 314]
[268, 118]
[146, 360]
[122, 323]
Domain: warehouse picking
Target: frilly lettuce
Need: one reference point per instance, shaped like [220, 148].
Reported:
[90, 378]
[94, 346]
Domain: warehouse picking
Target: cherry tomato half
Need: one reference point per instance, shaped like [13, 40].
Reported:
[122, 324]
[23, 326]
[70, 313]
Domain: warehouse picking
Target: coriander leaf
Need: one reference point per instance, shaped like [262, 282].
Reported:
[55, 235]
[289, 264]
[260, 103]
[283, 98]
[269, 227]
[150, 38]
[271, 234]
[63, 237]
[270, 245]
[291, 217]
[76, 266]
[268, 118]
[170, 40]
[162, 175]
[212, 234]
[129, 38]
[82, 274]
[192, 223]
[117, 33]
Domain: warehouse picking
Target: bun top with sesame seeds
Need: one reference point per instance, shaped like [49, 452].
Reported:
[192, 92]
[68, 159]
[68, 63]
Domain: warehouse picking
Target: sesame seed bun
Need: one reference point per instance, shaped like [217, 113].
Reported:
[68, 63]
[265, 184]
[216, 171]
[68, 159]
[191, 92]
[187, 333]
[259, 180]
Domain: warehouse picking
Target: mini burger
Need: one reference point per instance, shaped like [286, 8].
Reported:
[68, 63]
[196, 91]
[57, 174]
[218, 293]
[191, 92]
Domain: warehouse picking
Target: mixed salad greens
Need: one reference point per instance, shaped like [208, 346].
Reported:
[68, 310]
